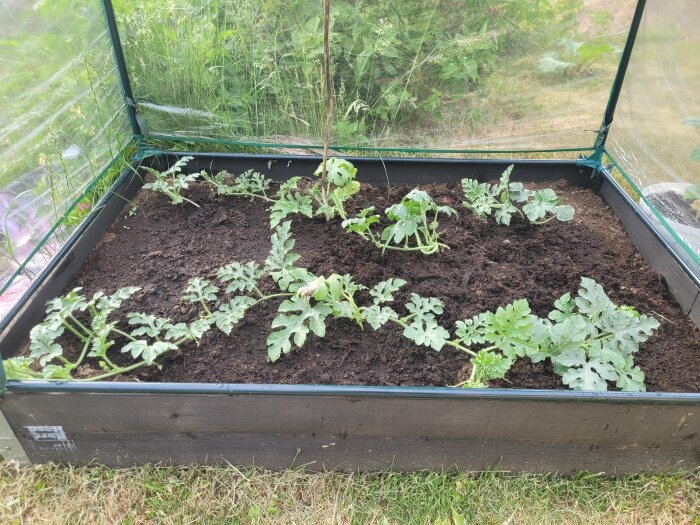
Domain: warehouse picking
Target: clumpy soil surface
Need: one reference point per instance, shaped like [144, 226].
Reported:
[161, 246]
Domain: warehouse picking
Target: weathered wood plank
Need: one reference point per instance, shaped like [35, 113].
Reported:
[356, 432]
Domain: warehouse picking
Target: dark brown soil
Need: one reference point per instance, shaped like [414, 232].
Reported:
[673, 206]
[161, 246]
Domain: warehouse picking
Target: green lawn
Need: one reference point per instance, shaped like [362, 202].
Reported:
[55, 494]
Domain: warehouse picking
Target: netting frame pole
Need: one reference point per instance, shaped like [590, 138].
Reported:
[138, 127]
[595, 161]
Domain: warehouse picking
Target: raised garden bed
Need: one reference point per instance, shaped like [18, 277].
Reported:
[160, 246]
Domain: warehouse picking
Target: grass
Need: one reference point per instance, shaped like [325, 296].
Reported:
[58, 494]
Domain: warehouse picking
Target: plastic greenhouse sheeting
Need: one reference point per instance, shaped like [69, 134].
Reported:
[513, 77]
[445, 74]
[655, 136]
[62, 122]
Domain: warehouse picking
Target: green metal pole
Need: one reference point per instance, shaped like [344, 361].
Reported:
[595, 160]
[138, 127]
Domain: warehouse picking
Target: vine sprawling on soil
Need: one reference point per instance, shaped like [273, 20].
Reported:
[589, 340]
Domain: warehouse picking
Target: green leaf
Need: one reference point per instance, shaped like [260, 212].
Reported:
[295, 326]
[147, 324]
[177, 331]
[106, 304]
[568, 336]
[405, 224]
[424, 308]
[56, 372]
[570, 357]
[510, 328]
[361, 222]
[338, 171]
[231, 313]
[590, 51]
[628, 331]
[692, 192]
[519, 193]
[591, 376]
[540, 345]
[289, 204]
[479, 197]
[343, 193]
[551, 63]
[471, 331]
[564, 212]
[504, 213]
[198, 328]
[171, 182]
[251, 182]
[377, 316]
[280, 261]
[68, 304]
[383, 291]
[497, 199]
[100, 342]
[695, 155]
[630, 377]
[240, 277]
[200, 290]
[19, 369]
[288, 186]
[692, 121]
[43, 344]
[490, 365]
[607, 352]
[148, 352]
[543, 203]
[343, 309]
[564, 308]
[426, 331]
[593, 302]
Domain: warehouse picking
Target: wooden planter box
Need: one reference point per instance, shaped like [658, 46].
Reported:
[350, 428]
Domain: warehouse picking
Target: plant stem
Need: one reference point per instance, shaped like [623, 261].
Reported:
[188, 200]
[206, 308]
[128, 336]
[251, 195]
[81, 357]
[114, 372]
[461, 347]
[266, 297]
[75, 332]
[109, 362]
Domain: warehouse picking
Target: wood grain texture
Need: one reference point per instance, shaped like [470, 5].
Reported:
[351, 433]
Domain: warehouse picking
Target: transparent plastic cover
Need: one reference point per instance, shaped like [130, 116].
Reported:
[62, 122]
[655, 135]
[447, 74]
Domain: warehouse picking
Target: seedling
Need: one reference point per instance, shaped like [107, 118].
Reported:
[255, 186]
[171, 182]
[96, 337]
[414, 224]
[339, 186]
[248, 184]
[588, 339]
[499, 200]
